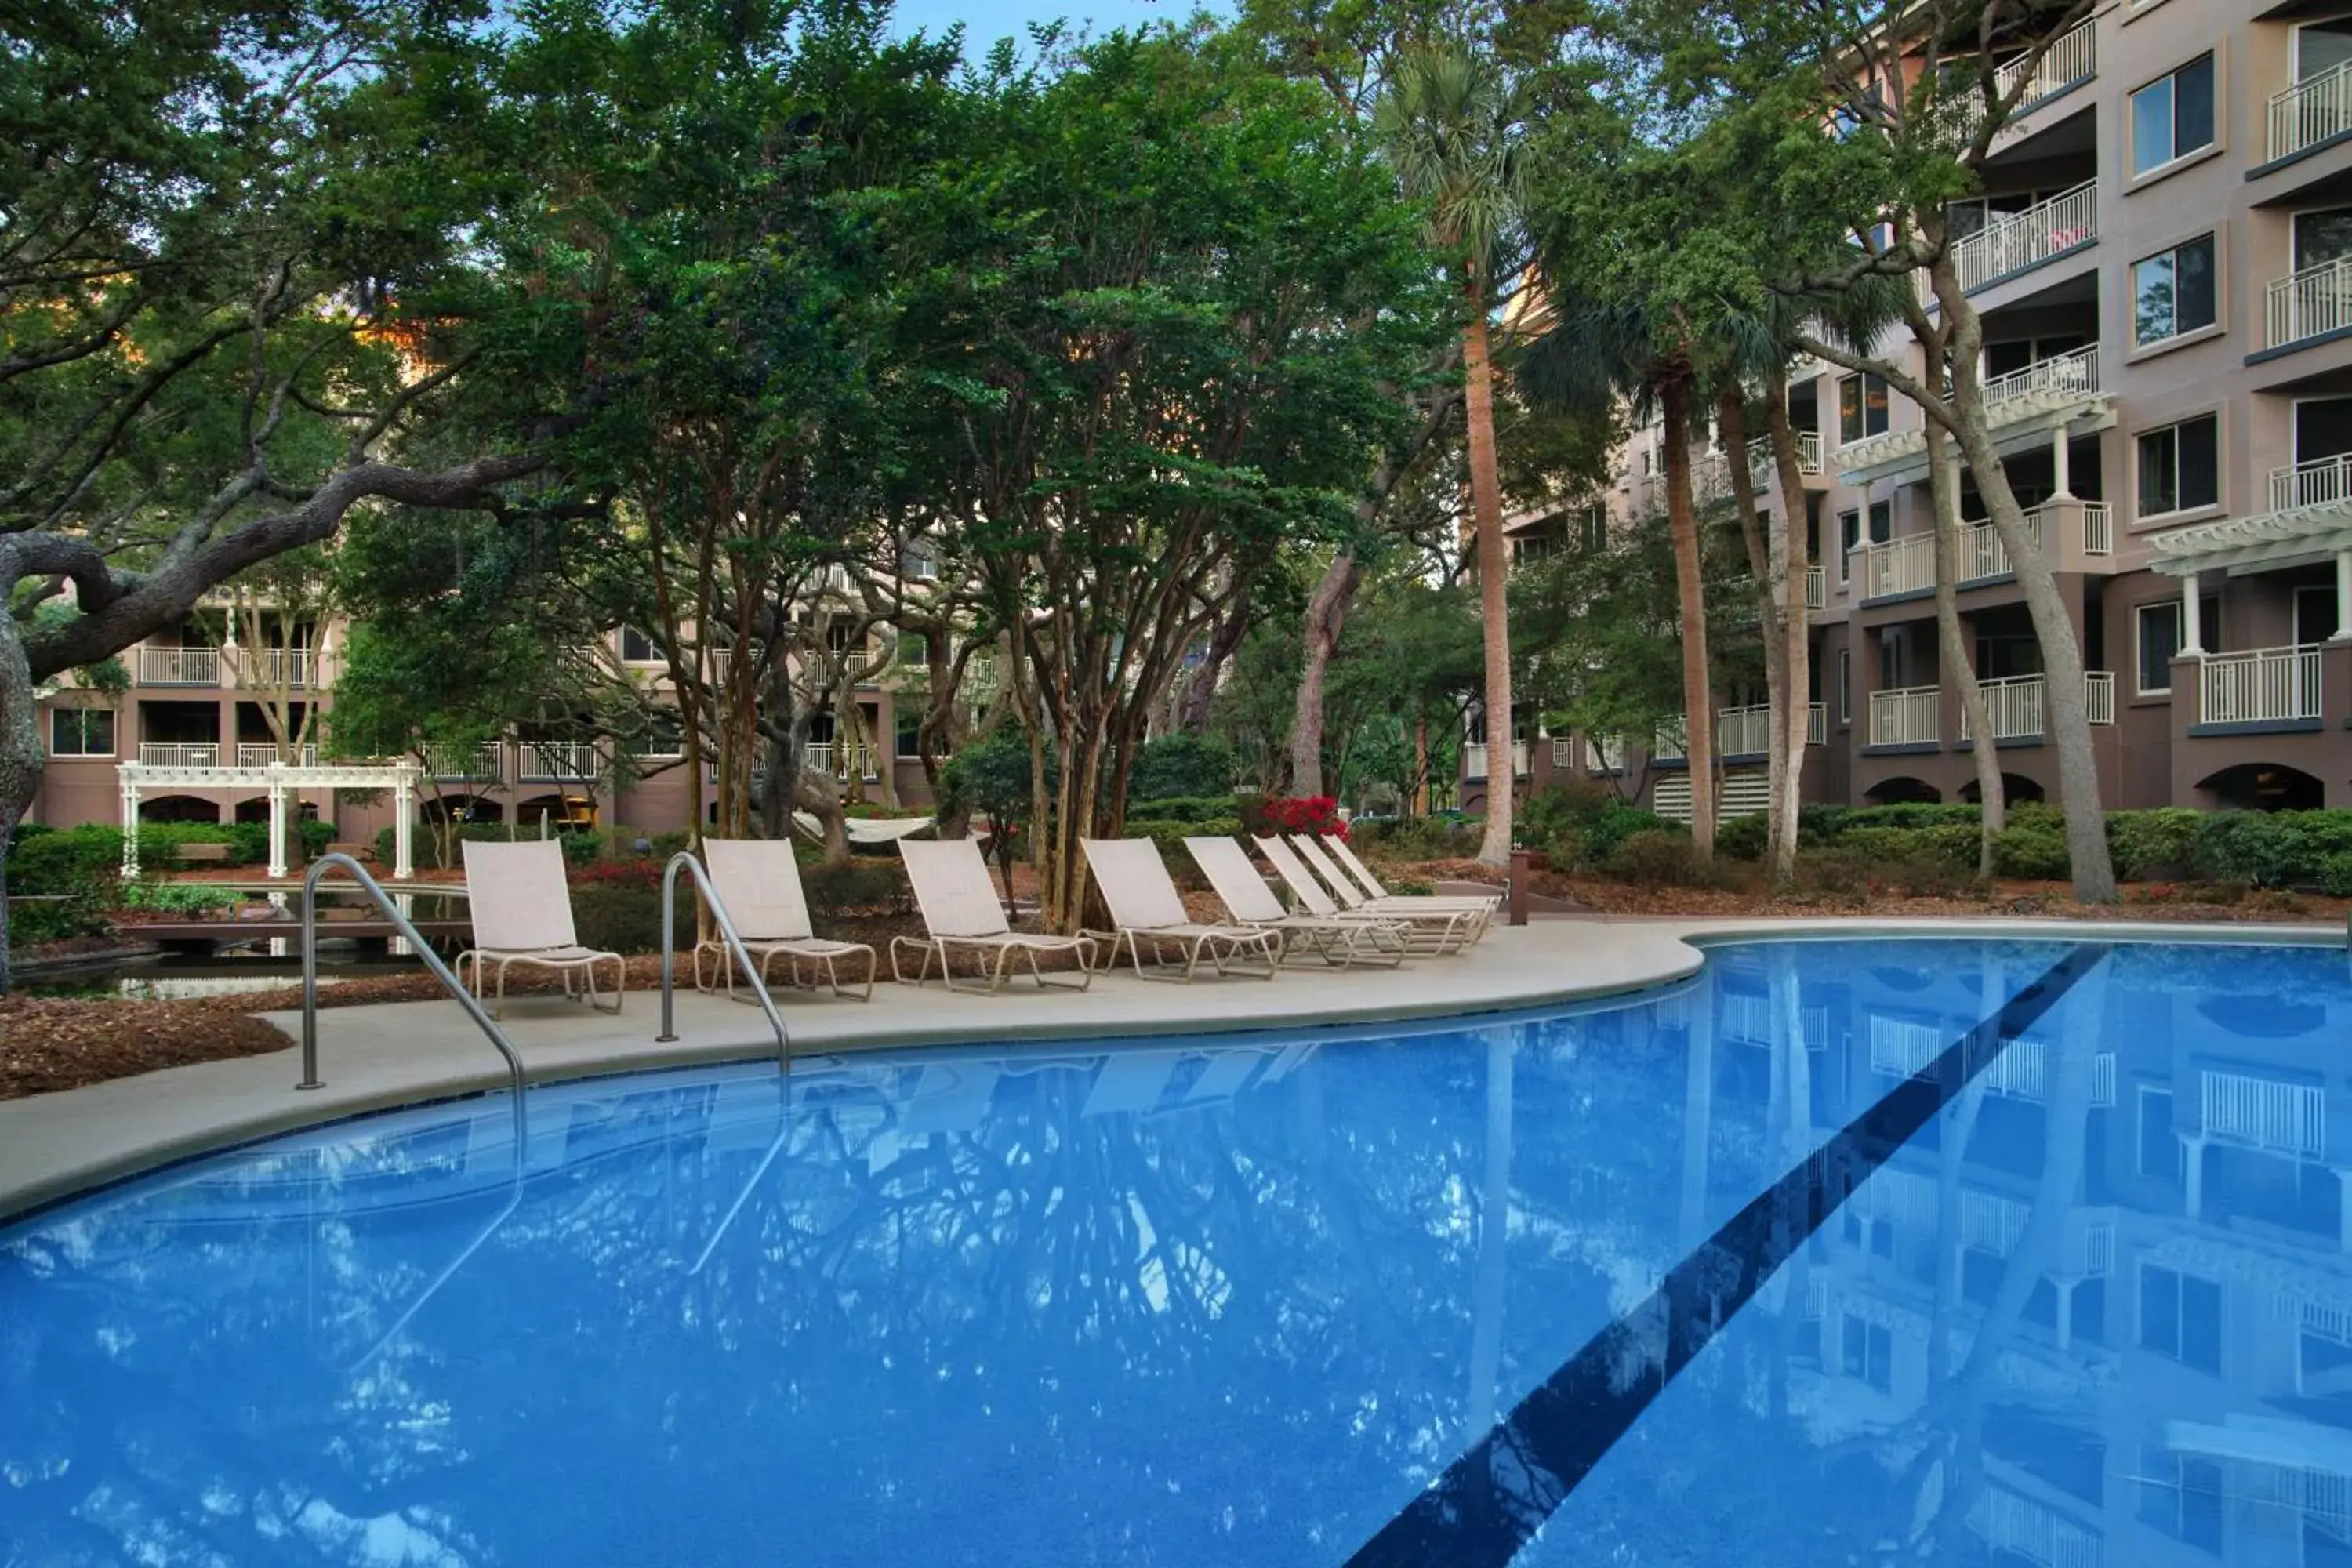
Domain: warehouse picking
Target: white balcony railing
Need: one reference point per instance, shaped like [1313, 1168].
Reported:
[1906, 716]
[294, 670]
[2311, 111]
[2019, 1526]
[2073, 59]
[2014, 704]
[1743, 732]
[1670, 743]
[1763, 464]
[1817, 724]
[1901, 1047]
[265, 754]
[180, 754]
[551, 762]
[2266, 1113]
[2268, 685]
[2315, 481]
[1905, 565]
[837, 761]
[1816, 588]
[2072, 374]
[2098, 528]
[2310, 303]
[2025, 239]
[1474, 761]
[487, 760]
[179, 666]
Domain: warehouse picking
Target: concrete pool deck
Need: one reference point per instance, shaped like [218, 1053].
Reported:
[394, 1054]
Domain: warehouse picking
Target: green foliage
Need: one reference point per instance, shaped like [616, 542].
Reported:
[581, 847]
[50, 860]
[1743, 837]
[1179, 766]
[178, 899]
[62, 917]
[862, 887]
[2147, 845]
[1171, 835]
[2275, 849]
[993, 777]
[2032, 849]
[1415, 838]
[1185, 808]
[1612, 826]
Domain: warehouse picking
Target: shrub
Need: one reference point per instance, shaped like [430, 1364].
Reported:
[2334, 877]
[2273, 850]
[1184, 808]
[2153, 844]
[1315, 813]
[61, 917]
[616, 906]
[859, 885]
[178, 899]
[1744, 837]
[1171, 835]
[1424, 838]
[581, 847]
[1652, 858]
[2033, 849]
[668, 844]
[1614, 825]
[1555, 817]
[1180, 766]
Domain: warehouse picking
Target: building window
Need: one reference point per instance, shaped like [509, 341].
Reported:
[2172, 292]
[1881, 521]
[2182, 1496]
[2180, 467]
[2159, 644]
[638, 649]
[1849, 541]
[910, 733]
[914, 648]
[1870, 1354]
[81, 731]
[2159, 1151]
[2172, 116]
[1861, 409]
[2180, 1317]
[1845, 686]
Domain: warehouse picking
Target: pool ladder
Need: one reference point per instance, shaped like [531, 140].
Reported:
[684, 860]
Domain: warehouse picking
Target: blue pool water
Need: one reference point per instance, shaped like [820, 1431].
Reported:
[1243, 1300]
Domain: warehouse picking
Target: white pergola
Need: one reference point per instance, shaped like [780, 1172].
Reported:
[2267, 541]
[283, 782]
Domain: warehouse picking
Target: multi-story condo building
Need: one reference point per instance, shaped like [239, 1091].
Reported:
[190, 738]
[2162, 256]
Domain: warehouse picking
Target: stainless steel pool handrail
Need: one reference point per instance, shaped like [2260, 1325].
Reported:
[374, 890]
[684, 860]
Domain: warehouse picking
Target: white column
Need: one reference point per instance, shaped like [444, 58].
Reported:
[2192, 1169]
[2192, 617]
[2343, 596]
[130, 821]
[403, 806]
[2058, 457]
[276, 819]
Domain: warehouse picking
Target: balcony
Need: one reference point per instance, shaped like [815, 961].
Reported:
[1748, 731]
[1816, 588]
[2268, 1114]
[2040, 233]
[2071, 61]
[559, 761]
[266, 754]
[2015, 1525]
[486, 762]
[1901, 1046]
[2260, 686]
[2014, 704]
[2315, 110]
[2314, 482]
[1993, 1222]
[1600, 756]
[1908, 716]
[178, 666]
[1761, 462]
[1907, 565]
[1473, 761]
[845, 761]
[180, 754]
[279, 668]
[2312, 303]
[2049, 390]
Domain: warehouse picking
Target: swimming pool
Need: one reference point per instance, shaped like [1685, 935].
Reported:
[1802, 1262]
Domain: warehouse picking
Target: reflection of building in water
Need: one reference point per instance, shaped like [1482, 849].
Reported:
[2175, 1385]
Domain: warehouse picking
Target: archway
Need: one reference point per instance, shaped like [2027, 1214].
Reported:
[180, 808]
[2262, 786]
[1905, 790]
[2016, 789]
[460, 807]
[560, 811]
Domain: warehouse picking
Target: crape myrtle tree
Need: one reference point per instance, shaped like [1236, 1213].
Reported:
[1167, 307]
[233, 297]
[1884, 112]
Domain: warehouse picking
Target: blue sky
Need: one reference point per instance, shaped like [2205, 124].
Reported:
[987, 20]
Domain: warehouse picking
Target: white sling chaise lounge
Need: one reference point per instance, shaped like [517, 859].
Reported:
[1147, 909]
[521, 909]
[1354, 865]
[760, 883]
[1252, 903]
[960, 912]
[1478, 912]
[1427, 931]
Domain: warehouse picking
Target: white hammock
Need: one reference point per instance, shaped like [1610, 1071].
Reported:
[865, 829]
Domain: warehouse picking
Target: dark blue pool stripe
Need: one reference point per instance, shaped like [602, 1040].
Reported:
[1490, 1502]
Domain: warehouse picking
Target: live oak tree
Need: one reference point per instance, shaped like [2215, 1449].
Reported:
[234, 293]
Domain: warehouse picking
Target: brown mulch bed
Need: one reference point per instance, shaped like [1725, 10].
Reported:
[56, 1043]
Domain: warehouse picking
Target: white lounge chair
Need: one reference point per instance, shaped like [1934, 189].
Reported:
[1333, 939]
[1441, 931]
[1147, 909]
[521, 909]
[1353, 864]
[1311, 848]
[960, 911]
[760, 883]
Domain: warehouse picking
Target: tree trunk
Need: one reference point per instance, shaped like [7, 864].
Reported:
[1794, 562]
[1698, 699]
[2066, 715]
[1201, 687]
[1731, 419]
[1327, 616]
[1944, 487]
[21, 760]
[1494, 596]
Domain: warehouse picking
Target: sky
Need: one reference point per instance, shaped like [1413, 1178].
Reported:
[989, 20]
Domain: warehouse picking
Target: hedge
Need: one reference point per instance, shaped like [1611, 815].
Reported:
[46, 860]
[1197, 808]
[580, 846]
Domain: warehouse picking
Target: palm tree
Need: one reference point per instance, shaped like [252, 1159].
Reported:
[1452, 125]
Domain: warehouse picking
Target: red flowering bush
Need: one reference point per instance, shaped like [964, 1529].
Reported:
[633, 873]
[1315, 814]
